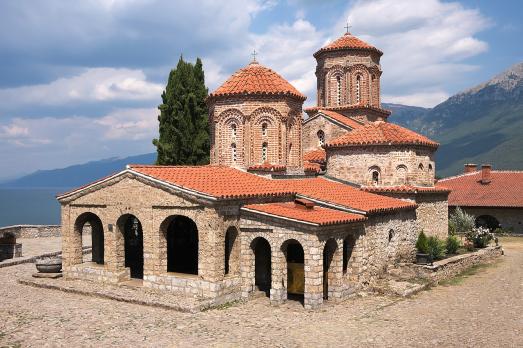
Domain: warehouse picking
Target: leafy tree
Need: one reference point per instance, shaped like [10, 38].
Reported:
[184, 129]
[461, 222]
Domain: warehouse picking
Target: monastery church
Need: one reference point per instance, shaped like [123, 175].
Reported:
[312, 209]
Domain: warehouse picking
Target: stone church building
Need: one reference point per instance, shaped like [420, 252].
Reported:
[312, 209]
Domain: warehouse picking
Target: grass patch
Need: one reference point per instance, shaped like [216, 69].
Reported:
[460, 278]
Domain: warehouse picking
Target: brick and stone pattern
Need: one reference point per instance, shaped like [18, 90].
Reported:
[509, 218]
[281, 114]
[31, 231]
[346, 66]
[311, 128]
[396, 165]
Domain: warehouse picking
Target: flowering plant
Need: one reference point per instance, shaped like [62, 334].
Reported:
[479, 237]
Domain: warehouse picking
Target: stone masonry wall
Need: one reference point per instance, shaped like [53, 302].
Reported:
[396, 165]
[310, 132]
[32, 231]
[507, 217]
[282, 115]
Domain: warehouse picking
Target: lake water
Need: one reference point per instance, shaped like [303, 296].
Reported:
[30, 206]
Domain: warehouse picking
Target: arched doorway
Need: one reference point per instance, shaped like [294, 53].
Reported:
[182, 245]
[90, 223]
[132, 231]
[328, 256]
[295, 269]
[487, 221]
[230, 239]
[262, 264]
[348, 247]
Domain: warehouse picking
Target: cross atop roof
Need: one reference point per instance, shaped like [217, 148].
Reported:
[253, 54]
[348, 27]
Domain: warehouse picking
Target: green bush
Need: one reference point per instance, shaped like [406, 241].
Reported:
[452, 244]
[422, 243]
[461, 222]
[479, 237]
[436, 248]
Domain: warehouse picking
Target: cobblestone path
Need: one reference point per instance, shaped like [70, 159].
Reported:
[484, 310]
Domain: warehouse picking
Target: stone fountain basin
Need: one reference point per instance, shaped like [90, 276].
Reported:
[49, 265]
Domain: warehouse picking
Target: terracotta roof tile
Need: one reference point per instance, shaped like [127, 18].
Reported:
[256, 79]
[267, 167]
[347, 41]
[217, 181]
[381, 133]
[504, 190]
[315, 215]
[347, 121]
[311, 167]
[405, 189]
[337, 193]
[315, 156]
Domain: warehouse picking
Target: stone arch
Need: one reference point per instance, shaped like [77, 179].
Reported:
[487, 221]
[232, 251]
[272, 119]
[294, 156]
[329, 250]
[336, 86]
[182, 244]
[374, 175]
[359, 86]
[97, 235]
[349, 243]
[262, 264]
[295, 258]
[131, 234]
[402, 174]
[231, 114]
[231, 130]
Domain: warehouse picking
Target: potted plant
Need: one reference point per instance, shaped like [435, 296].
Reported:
[422, 245]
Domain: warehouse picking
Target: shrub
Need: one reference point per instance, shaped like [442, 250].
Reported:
[422, 243]
[452, 244]
[436, 248]
[479, 237]
[461, 222]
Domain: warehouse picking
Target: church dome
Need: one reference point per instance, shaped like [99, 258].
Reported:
[255, 79]
[348, 41]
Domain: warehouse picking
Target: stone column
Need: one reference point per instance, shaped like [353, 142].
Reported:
[313, 296]
[336, 273]
[71, 239]
[278, 293]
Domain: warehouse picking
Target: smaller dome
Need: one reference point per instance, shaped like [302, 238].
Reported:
[348, 41]
[255, 79]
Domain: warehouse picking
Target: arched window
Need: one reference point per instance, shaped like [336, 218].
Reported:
[264, 152]
[321, 138]
[430, 167]
[233, 130]
[371, 85]
[233, 152]
[391, 235]
[264, 129]
[420, 167]
[358, 89]
[375, 177]
[338, 90]
[401, 172]
[290, 151]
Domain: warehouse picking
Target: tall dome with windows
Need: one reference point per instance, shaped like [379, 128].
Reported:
[255, 121]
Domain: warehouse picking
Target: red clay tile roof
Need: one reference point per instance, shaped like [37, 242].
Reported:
[256, 79]
[347, 121]
[504, 190]
[316, 215]
[405, 189]
[315, 156]
[347, 41]
[311, 167]
[344, 195]
[384, 112]
[220, 182]
[381, 133]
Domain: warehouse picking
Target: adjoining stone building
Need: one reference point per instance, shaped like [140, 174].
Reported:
[494, 197]
[263, 216]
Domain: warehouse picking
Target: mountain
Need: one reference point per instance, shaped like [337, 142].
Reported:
[78, 175]
[483, 124]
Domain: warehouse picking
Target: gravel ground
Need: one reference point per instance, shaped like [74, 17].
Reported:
[483, 310]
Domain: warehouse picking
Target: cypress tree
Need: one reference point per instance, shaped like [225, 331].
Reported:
[184, 129]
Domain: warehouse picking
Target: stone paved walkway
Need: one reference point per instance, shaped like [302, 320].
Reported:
[485, 310]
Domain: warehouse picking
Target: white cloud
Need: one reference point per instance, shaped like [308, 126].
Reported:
[93, 85]
[424, 99]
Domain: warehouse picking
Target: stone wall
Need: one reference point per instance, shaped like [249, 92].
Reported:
[507, 217]
[453, 266]
[32, 231]
[281, 115]
[310, 132]
[396, 165]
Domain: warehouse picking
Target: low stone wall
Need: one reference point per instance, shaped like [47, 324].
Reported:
[31, 231]
[9, 251]
[451, 267]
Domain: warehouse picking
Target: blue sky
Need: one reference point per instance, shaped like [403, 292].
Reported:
[81, 80]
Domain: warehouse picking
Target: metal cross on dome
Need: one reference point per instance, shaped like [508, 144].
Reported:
[254, 55]
[348, 27]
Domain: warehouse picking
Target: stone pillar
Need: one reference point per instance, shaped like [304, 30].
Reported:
[336, 273]
[246, 266]
[71, 239]
[313, 296]
[278, 293]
